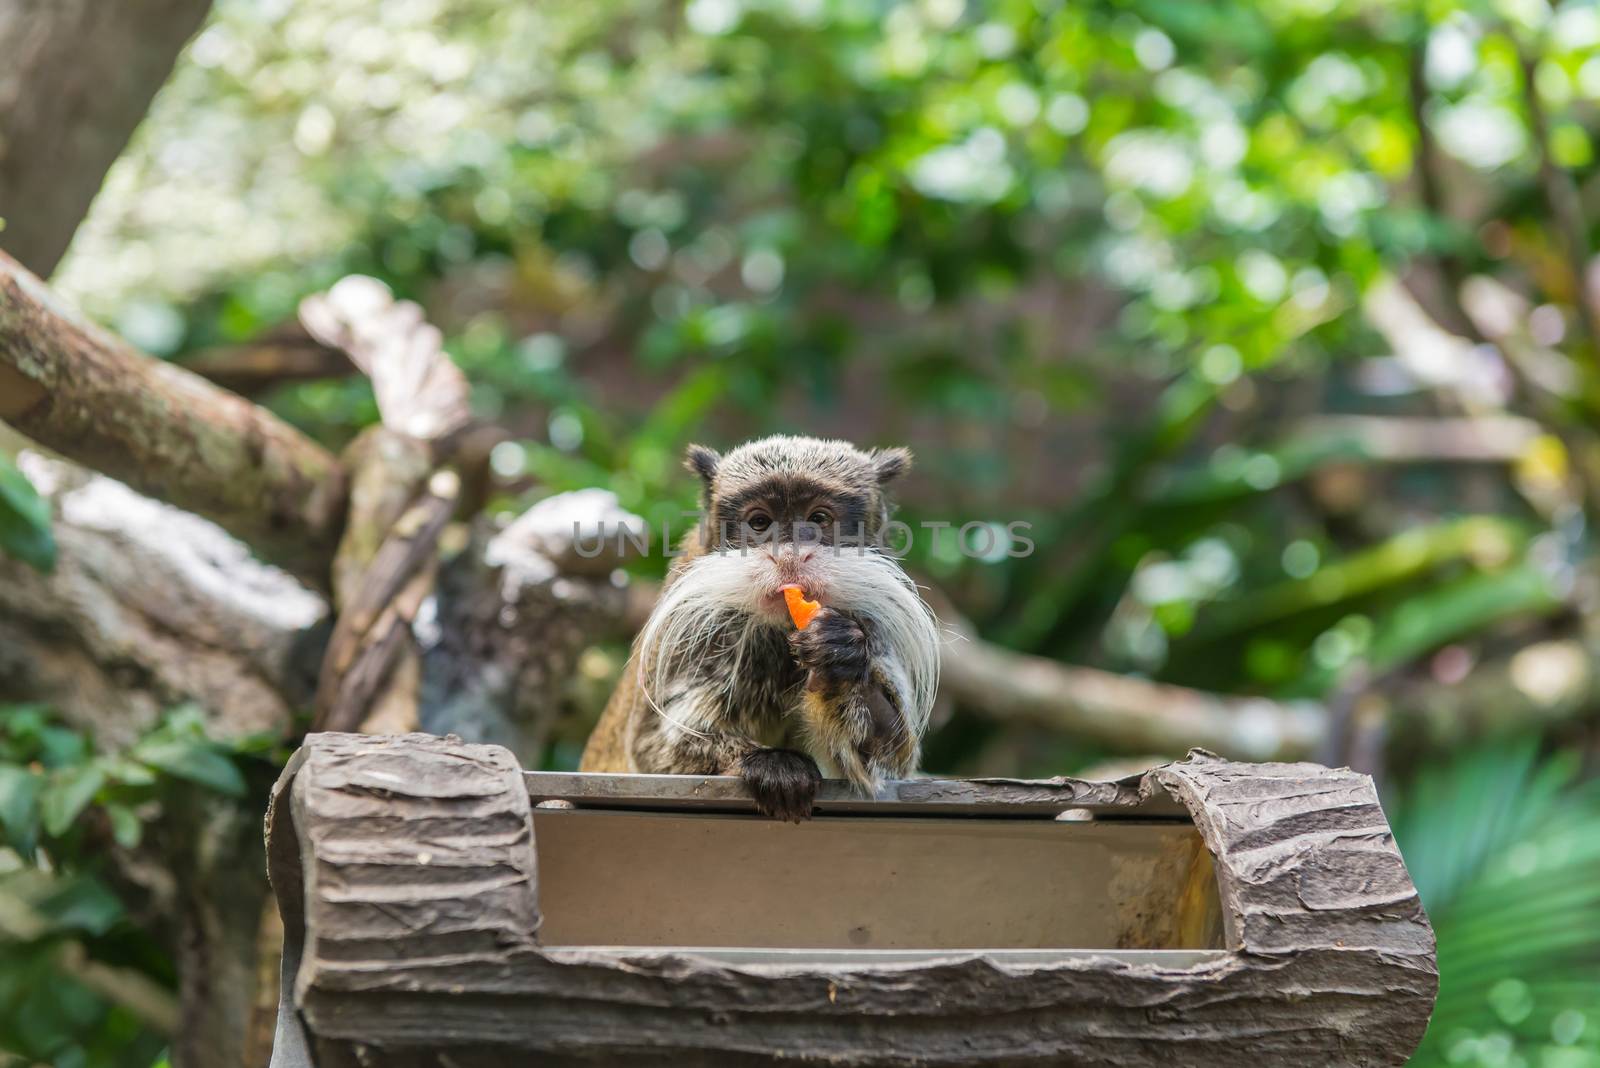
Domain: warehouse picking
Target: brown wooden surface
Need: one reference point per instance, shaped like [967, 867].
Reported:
[862, 883]
[406, 873]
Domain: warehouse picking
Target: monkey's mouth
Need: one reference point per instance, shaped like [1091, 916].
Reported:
[775, 608]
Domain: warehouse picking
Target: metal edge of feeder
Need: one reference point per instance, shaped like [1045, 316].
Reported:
[404, 870]
[1000, 798]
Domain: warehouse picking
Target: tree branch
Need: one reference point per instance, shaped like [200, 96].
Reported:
[166, 432]
[1132, 714]
[281, 357]
[387, 561]
[78, 77]
[1495, 438]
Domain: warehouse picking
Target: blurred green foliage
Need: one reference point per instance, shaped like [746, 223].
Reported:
[1505, 850]
[1103, 265]
[50, 774]
[24, 519]
[1090, 260]
[79, 970]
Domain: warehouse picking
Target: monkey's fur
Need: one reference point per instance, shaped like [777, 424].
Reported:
[721, 682]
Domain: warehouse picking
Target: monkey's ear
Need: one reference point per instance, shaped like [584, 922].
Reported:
[890, 464]
[703, 462]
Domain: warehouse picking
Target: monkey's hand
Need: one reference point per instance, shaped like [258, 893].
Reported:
[851, 708]
[832, 651]
[782, 781]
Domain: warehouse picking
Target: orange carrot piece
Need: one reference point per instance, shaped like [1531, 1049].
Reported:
[800, 609]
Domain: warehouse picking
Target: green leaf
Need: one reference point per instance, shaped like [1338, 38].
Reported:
[196, 760]
[126, 827]
[261, 743]
[67, 794]
[128, 772]
[187, 720]
[19, 807]
[24, 519]
[24, 722]
[82, 904]
[61, 747]
[29, 735]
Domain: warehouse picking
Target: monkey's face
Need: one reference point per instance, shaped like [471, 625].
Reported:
[781, 511]
[790, 528]
[798, 509]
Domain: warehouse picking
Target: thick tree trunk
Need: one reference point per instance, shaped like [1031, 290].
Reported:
[149, 607]
[76, 77]
[164, 431]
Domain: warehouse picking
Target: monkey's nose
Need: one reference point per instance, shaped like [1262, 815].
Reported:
[796, 554]
[790, 560]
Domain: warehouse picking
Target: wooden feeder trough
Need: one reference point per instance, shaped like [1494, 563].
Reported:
[443, 908]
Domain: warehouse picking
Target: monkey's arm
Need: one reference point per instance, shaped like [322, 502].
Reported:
[854, 700]
[693, 733]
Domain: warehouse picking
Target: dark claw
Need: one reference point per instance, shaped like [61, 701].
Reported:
[783, 782]
[832, 650]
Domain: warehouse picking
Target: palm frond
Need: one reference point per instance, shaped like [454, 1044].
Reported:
[1504, 847]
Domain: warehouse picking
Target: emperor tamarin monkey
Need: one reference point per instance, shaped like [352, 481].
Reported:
[722, 682]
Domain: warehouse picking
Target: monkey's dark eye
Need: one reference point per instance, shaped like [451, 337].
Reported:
[820, 519]
[759, 521]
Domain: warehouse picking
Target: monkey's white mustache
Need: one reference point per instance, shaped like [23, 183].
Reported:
[720, 600]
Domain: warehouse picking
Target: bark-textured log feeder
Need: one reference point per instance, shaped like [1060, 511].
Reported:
[444, 908]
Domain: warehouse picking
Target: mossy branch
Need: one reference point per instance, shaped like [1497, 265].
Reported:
[164, 431]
